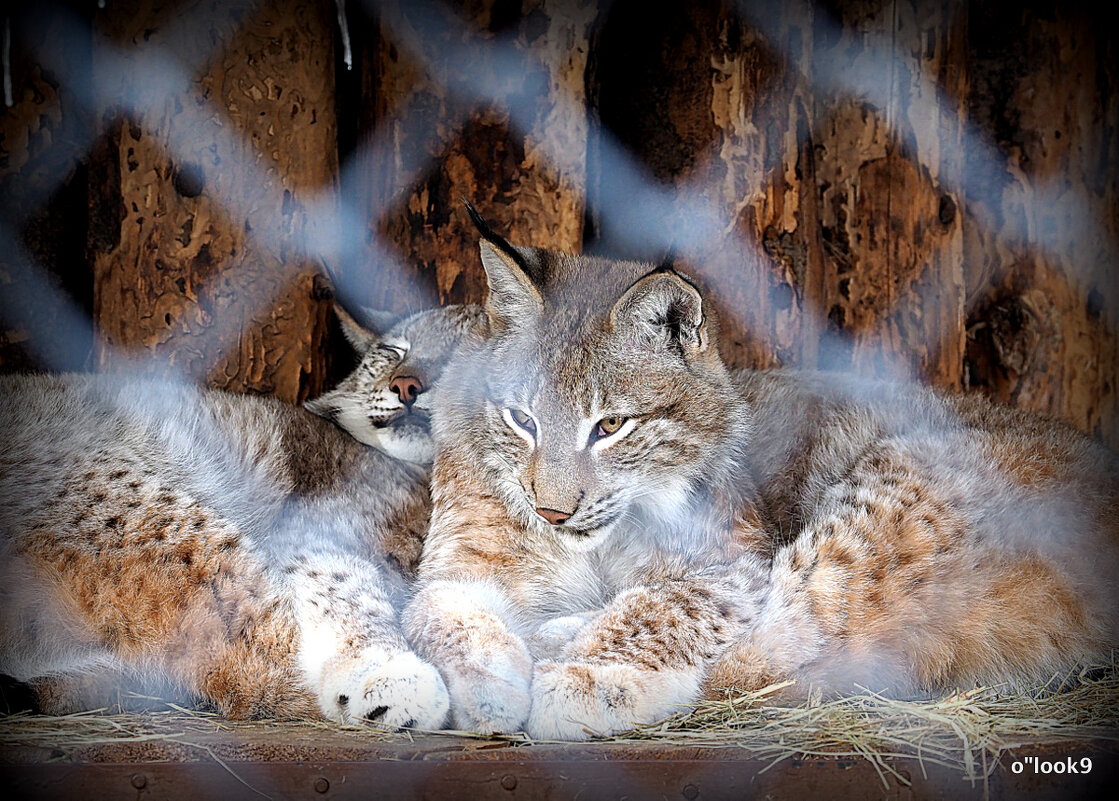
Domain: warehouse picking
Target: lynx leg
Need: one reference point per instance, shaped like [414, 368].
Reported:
[352, 649]
[65, 695]
[643, 659]
[460, 626]
[552, 637]
[42, 628]
[194, 615]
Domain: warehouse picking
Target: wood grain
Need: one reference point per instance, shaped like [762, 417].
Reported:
[914, 187]
[522, 163]
[44, 137]
[205, 273]
[1043, 217]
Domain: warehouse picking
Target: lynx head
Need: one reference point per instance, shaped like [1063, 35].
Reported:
[598, 392]
[387, 400]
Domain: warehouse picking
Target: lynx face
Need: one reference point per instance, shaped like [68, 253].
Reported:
[388, 399]
[625, 415]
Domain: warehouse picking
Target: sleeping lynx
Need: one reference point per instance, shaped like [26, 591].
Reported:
[236, 547]
[613, 504]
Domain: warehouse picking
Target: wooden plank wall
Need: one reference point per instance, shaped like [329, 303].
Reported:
[203, 270]
[905, 187]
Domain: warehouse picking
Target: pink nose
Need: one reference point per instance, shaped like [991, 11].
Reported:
[552, 516]
[407, 388]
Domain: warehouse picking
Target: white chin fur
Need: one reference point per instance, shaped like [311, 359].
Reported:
[410, 443]
[671, 504]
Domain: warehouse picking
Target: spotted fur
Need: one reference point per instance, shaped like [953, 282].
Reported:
[737, 528]
[235, 548]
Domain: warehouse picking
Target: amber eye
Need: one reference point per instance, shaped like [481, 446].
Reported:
[523, 420]
[607, 426]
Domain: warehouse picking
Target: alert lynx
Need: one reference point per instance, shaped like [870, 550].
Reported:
[621, 525]
[240, 549]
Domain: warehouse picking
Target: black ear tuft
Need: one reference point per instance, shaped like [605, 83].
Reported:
[479, 221]
[377, 321]
[512, 277]
[668, 261]
[499, 242]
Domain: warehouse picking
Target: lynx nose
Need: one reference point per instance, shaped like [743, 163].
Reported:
[553, 516]
[407, 388]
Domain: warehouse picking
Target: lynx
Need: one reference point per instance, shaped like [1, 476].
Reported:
[621, 525]
[239, 548]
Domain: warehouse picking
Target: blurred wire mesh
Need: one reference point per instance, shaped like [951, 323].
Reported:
[828, 170]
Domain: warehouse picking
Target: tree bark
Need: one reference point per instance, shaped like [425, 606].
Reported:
[841, 245]
[873, 231]
[203, 269]
[888, 176]
[704, 100]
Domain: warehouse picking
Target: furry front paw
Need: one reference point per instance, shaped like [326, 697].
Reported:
[490, 700]
[577, 701]
[402, 692]
[549, 641]
[460, 626]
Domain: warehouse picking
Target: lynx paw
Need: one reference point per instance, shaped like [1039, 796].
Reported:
[549, 641]
[576, 701]
[403, 691]
[490, 700]
[460, 626]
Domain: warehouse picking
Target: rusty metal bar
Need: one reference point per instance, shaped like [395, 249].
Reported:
[469, 779]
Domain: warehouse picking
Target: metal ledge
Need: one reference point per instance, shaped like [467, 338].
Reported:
[449, 769]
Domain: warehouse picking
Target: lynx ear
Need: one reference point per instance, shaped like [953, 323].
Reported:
[359, 337]
[513, 297]
[664, 307]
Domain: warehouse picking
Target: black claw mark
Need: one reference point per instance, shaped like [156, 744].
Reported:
[376, 713]
[343, 699]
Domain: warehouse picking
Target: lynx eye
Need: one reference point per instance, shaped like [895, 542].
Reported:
[518, 418]
[608, 426]
[398, 351]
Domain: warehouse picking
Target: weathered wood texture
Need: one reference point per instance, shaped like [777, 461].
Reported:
[1042, 220]
[838, 144]
[521, 162]
[203, 267]
[43, 141]
[917, 187]
[888, 173]
[842, 246]
[706, 102]
[287, 762]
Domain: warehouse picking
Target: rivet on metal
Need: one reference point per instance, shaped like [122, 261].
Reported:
[321, 785]
[509, 781]
[691, 792]
[139, 781]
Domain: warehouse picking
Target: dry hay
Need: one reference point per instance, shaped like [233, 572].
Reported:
[965, 731]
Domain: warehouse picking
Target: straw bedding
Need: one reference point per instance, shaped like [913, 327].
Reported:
[966, 730]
